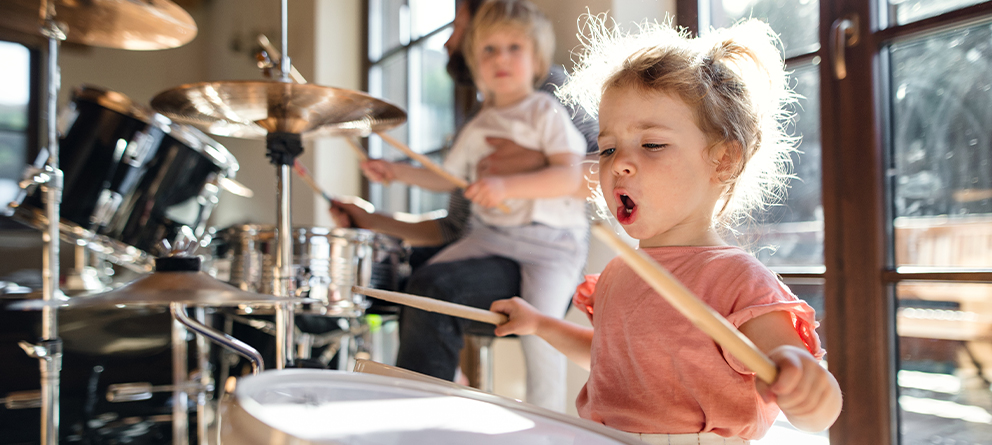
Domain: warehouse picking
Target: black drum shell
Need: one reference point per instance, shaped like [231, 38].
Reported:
[135, 177]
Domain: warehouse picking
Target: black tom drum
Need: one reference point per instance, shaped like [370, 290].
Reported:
[131, 177]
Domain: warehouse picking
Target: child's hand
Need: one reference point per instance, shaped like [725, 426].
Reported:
[808, 394]
[487, 192]
[524, 318]
[378, 170]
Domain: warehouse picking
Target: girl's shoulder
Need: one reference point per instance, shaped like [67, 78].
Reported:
[726, 265]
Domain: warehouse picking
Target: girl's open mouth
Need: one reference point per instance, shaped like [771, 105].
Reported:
[626, 209]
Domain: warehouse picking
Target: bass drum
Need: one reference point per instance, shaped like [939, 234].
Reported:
[132, 178]
[326, 263]
[305, 407]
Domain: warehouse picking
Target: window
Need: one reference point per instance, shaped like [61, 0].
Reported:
[900, 153]
[407, 67]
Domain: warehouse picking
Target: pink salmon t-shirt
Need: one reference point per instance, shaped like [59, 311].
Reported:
[653, 372]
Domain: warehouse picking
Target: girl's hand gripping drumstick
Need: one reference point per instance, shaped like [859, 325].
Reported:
[430, 165]
[432, 305]
[699, 313]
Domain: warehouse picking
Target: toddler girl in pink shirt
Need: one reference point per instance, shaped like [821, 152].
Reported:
[690, 140]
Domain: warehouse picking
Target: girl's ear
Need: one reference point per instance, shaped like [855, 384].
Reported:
[727, 158]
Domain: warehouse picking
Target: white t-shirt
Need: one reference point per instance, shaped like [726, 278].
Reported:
[538, 122]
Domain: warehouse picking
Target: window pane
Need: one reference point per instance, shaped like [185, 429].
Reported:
[432, 111]
[796, 21]
[388, 80]
[902, 12]
[791, 234]
[14, 98]
[428, 15]
[941, 149]
[945, 362]
[389, 26]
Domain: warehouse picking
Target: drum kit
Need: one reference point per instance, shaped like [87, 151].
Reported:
[135, 186]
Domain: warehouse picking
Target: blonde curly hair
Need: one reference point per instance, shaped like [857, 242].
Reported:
[734, 80]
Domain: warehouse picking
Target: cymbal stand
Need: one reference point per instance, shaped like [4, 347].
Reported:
[282, 149]
[49, 350]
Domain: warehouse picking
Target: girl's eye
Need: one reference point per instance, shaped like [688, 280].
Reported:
[607, 152]
[515, 47]
[651, 146]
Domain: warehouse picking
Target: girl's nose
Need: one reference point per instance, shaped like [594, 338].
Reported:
[623, 163]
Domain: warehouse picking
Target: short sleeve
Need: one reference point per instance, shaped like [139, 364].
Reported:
[803, 320]
[583, 298]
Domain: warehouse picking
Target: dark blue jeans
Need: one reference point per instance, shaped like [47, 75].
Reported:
[430, 343]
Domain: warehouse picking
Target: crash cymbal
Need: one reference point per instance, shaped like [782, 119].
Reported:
[252, 109]
[122, 24]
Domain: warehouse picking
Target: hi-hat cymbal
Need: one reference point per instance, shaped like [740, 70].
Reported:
[252, 109]
[122, 24]
[162, 288]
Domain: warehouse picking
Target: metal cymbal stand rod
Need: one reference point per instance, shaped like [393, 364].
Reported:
[49, 351]
[284, 64]
[282, 149]
[180, 369]
[203, 364]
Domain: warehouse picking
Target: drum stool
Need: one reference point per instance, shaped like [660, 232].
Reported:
[479, 357]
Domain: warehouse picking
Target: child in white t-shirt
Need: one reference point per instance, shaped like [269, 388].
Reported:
[509, 49]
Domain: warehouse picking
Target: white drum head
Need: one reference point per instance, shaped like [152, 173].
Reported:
[324, 407]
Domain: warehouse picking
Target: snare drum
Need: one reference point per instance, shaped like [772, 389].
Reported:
[131, 177]
[326, 263]
[300, 406]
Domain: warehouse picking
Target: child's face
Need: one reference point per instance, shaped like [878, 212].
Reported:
[505, 64]
[655, 169]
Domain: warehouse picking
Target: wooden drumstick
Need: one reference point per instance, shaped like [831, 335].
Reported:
[432, 305]
[699, 313]
[359, 151]
[430, 165]
[304, 174]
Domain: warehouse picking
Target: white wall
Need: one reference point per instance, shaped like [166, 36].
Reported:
[338, 61]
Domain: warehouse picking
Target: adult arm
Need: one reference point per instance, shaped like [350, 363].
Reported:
[422, 233]
[808, 394]
[572, 340]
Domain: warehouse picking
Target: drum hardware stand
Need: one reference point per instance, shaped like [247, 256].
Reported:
[181, 262]
[83, 277]
[49, 350]
[282, 150]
